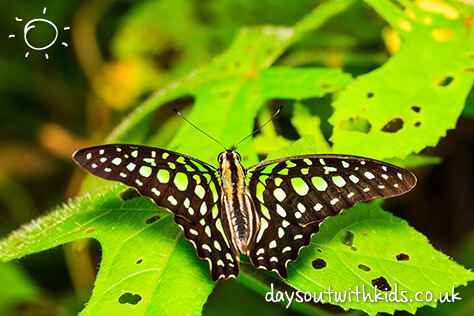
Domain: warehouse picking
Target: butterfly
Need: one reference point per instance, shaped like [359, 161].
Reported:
[268, 211]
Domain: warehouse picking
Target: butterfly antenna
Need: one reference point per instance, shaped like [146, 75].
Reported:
[258, 129]
[182, 116]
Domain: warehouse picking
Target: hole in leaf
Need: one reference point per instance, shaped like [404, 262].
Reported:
[364, 267]
[348, 240]
[417, 124]
[445, 81]
[381, 283]
[416, 108]
[128, 194]
[319, 263]
[152, 219]
[393, 126]
[403, 257]
[139, 261]
[89, 230]
[357, 124]
[370, 95]
[129, 298]
[318, 250]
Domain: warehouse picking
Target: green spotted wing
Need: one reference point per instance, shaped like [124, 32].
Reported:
[187, 187]
[292, 196]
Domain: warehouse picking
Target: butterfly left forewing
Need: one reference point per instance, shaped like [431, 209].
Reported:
[292, 196]
[173, 181]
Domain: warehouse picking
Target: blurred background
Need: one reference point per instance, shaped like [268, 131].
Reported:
[118, 52]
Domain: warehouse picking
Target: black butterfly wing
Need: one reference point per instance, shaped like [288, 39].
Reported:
[292, 196]
[187, 187]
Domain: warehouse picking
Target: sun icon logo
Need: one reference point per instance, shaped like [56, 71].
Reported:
[31, 25]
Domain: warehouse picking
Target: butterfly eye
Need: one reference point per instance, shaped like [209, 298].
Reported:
[219, 159]
[237, 156]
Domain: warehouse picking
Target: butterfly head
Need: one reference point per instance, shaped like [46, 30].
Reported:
[228, 155]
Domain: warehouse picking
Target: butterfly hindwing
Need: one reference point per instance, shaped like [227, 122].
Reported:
[187, 187]
[278, 240]
[292, 196]
[211, 243]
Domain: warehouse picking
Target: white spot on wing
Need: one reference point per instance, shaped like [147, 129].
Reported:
[369, 175]
[172, 200]
[279, 194]
[353, 178]
[301, 208]
[280, 210]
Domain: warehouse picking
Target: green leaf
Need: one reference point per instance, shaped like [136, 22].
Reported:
[413, 161]
[364, 244]
[414, 98]
[304, 145]
[146, 260]
[232, 83]
[15, 285]
[306, 124]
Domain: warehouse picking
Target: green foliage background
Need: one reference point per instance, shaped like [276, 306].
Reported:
[227, 65]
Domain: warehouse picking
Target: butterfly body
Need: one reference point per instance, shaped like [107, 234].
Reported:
[268, 211]
[236, 203]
